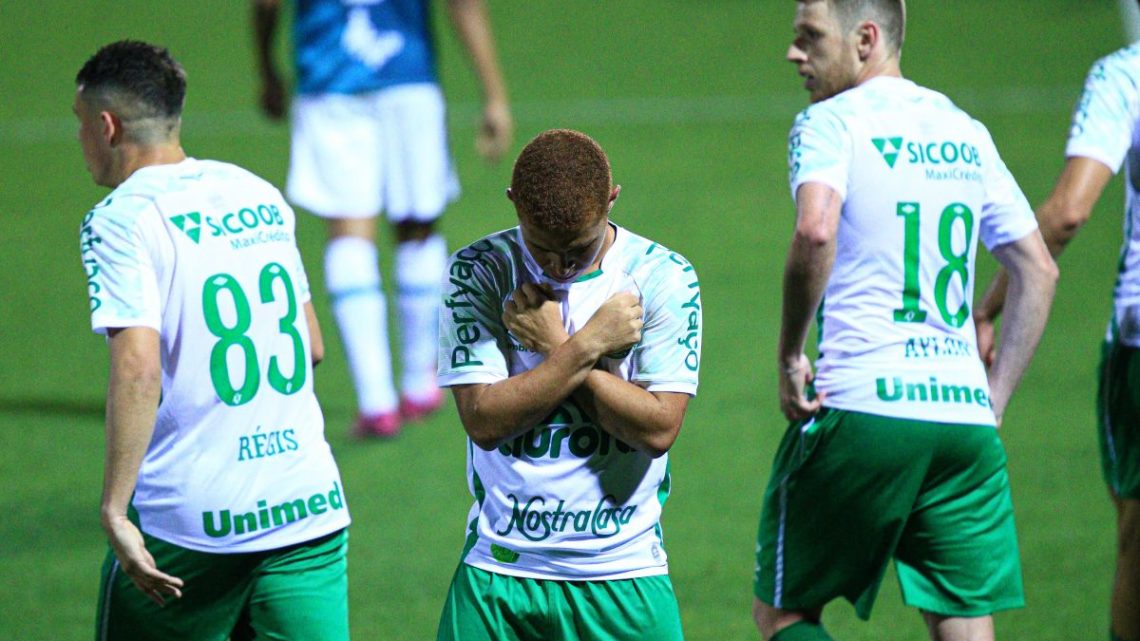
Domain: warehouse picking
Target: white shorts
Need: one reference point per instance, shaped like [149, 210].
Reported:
[354, 156]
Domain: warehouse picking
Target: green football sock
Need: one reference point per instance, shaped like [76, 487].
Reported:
[802, 631]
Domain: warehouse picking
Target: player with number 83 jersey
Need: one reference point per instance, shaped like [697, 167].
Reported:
[204, 253]
[920, 187]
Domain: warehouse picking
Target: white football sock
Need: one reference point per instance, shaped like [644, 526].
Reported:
[352, 275]
[419, 274]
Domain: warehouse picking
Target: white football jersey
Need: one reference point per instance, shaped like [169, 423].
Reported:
[566, 500]
[1104, 128]
[921, 182]
[204, 253]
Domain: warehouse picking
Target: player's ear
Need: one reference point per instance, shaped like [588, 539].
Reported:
[510, 196]
[867, 37]
[112, 128]
[614, 193]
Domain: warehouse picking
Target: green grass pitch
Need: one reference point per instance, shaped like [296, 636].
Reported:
[693, 100]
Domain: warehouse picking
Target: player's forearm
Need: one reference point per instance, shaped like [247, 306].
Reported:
[1032, 282]
[492, 414]
[643, 420]
[473, 27]
[993, 301]
[133, 392]
[805, 278]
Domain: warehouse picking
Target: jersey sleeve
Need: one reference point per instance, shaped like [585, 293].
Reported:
[1105, 115]
[122, 285]
[668, 357]
[819, 150]
[472, 337]
[1006, 214]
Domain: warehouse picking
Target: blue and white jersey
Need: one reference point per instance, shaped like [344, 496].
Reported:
[566, 500]
[354, 46]
[921, 183]
[1104, 128]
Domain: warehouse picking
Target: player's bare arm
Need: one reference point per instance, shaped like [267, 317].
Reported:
[133, 393]
[471, 23]
[495, 413]
[1060, 217]
[1032, 281]
[315, 337]
[647, 421]
[808, 266]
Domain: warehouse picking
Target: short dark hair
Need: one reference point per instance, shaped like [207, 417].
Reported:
[561, 180]
[136, 80]
[890, 15]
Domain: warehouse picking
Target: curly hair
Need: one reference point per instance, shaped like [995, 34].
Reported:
[561, 180]
[142, 83]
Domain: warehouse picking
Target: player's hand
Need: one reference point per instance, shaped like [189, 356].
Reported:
[127, 543]
[616, 326]
[534, 317]
[496, 131]
[794, 380]
[273, 97]
[987, 340]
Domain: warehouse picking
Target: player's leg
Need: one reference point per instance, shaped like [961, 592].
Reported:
[944, 628]
[775, 624]
[421, 256]
[1126, 584]
[1118, 413]
[619, 610]
[300, 592]
[335, 171]
[216, 586]
[958, 559]
[485, 606]
[841, 488]
[419, 183]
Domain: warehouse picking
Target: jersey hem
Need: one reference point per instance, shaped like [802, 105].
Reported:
[546, 576]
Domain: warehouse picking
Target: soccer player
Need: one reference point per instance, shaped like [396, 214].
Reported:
[892, 451]
[1103, 134]
[222, 503]
[369, 135]
[572, 347]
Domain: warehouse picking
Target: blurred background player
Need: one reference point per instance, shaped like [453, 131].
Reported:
[895, 454]
[219, 488]
[572, 347]
[1103, 136]
[369, 135]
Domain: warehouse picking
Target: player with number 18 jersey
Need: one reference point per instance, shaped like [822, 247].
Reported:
[920, 186]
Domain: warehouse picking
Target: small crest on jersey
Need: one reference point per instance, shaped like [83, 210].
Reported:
[889, 148]
[190, 223]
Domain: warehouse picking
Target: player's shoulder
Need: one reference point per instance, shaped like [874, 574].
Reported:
[499, 245]
[1121, 67]
[643, 257]
[494, 257]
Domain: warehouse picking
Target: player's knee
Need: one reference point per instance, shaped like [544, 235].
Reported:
[413, 230]
[771, 620]
[1128, 528]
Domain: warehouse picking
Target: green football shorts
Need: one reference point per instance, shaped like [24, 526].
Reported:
[1118, 418]
[486, 606]
[850, 491]
[295, 592]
